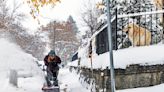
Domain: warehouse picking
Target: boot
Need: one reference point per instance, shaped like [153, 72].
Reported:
[55, 82]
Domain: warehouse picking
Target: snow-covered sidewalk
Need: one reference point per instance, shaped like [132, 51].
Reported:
[157, 88]
[69, 82]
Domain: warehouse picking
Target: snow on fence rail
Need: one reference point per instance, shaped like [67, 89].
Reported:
[135, 29]
[137, 14]
[141, 14]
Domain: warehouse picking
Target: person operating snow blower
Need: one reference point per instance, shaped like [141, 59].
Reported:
[52, 61]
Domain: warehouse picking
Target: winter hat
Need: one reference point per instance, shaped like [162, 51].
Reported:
[52, 53]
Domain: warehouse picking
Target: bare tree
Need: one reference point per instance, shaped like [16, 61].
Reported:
[90, 15]
[10, 23]
[10, 16]
[15, 15]
[62, 38]
[3, 13]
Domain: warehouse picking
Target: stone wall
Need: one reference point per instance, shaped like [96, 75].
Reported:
[133, 76]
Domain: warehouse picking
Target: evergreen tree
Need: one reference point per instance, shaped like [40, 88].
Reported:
[150, 22]
[73, 23]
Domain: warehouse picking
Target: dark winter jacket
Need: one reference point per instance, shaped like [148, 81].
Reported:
[52, 66]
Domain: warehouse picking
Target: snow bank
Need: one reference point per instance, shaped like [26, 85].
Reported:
[12, 57]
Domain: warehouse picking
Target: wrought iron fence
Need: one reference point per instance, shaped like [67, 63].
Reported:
[137, 29]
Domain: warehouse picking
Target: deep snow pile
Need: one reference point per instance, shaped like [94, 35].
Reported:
[12, 57]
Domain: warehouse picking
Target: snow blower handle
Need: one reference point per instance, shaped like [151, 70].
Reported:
[44, 68]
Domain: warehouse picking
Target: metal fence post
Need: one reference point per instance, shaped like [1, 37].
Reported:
[116, 47]
[163, 23]
[110, 46]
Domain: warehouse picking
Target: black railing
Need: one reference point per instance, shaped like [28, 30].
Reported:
[140, 29]
[137, 29]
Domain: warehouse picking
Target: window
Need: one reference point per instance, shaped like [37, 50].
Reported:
[102, 45]
[75, 57]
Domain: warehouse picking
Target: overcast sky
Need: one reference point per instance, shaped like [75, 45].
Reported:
[60, 12]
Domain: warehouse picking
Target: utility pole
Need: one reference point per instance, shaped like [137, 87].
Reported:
[110, 47]
[54, 29]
